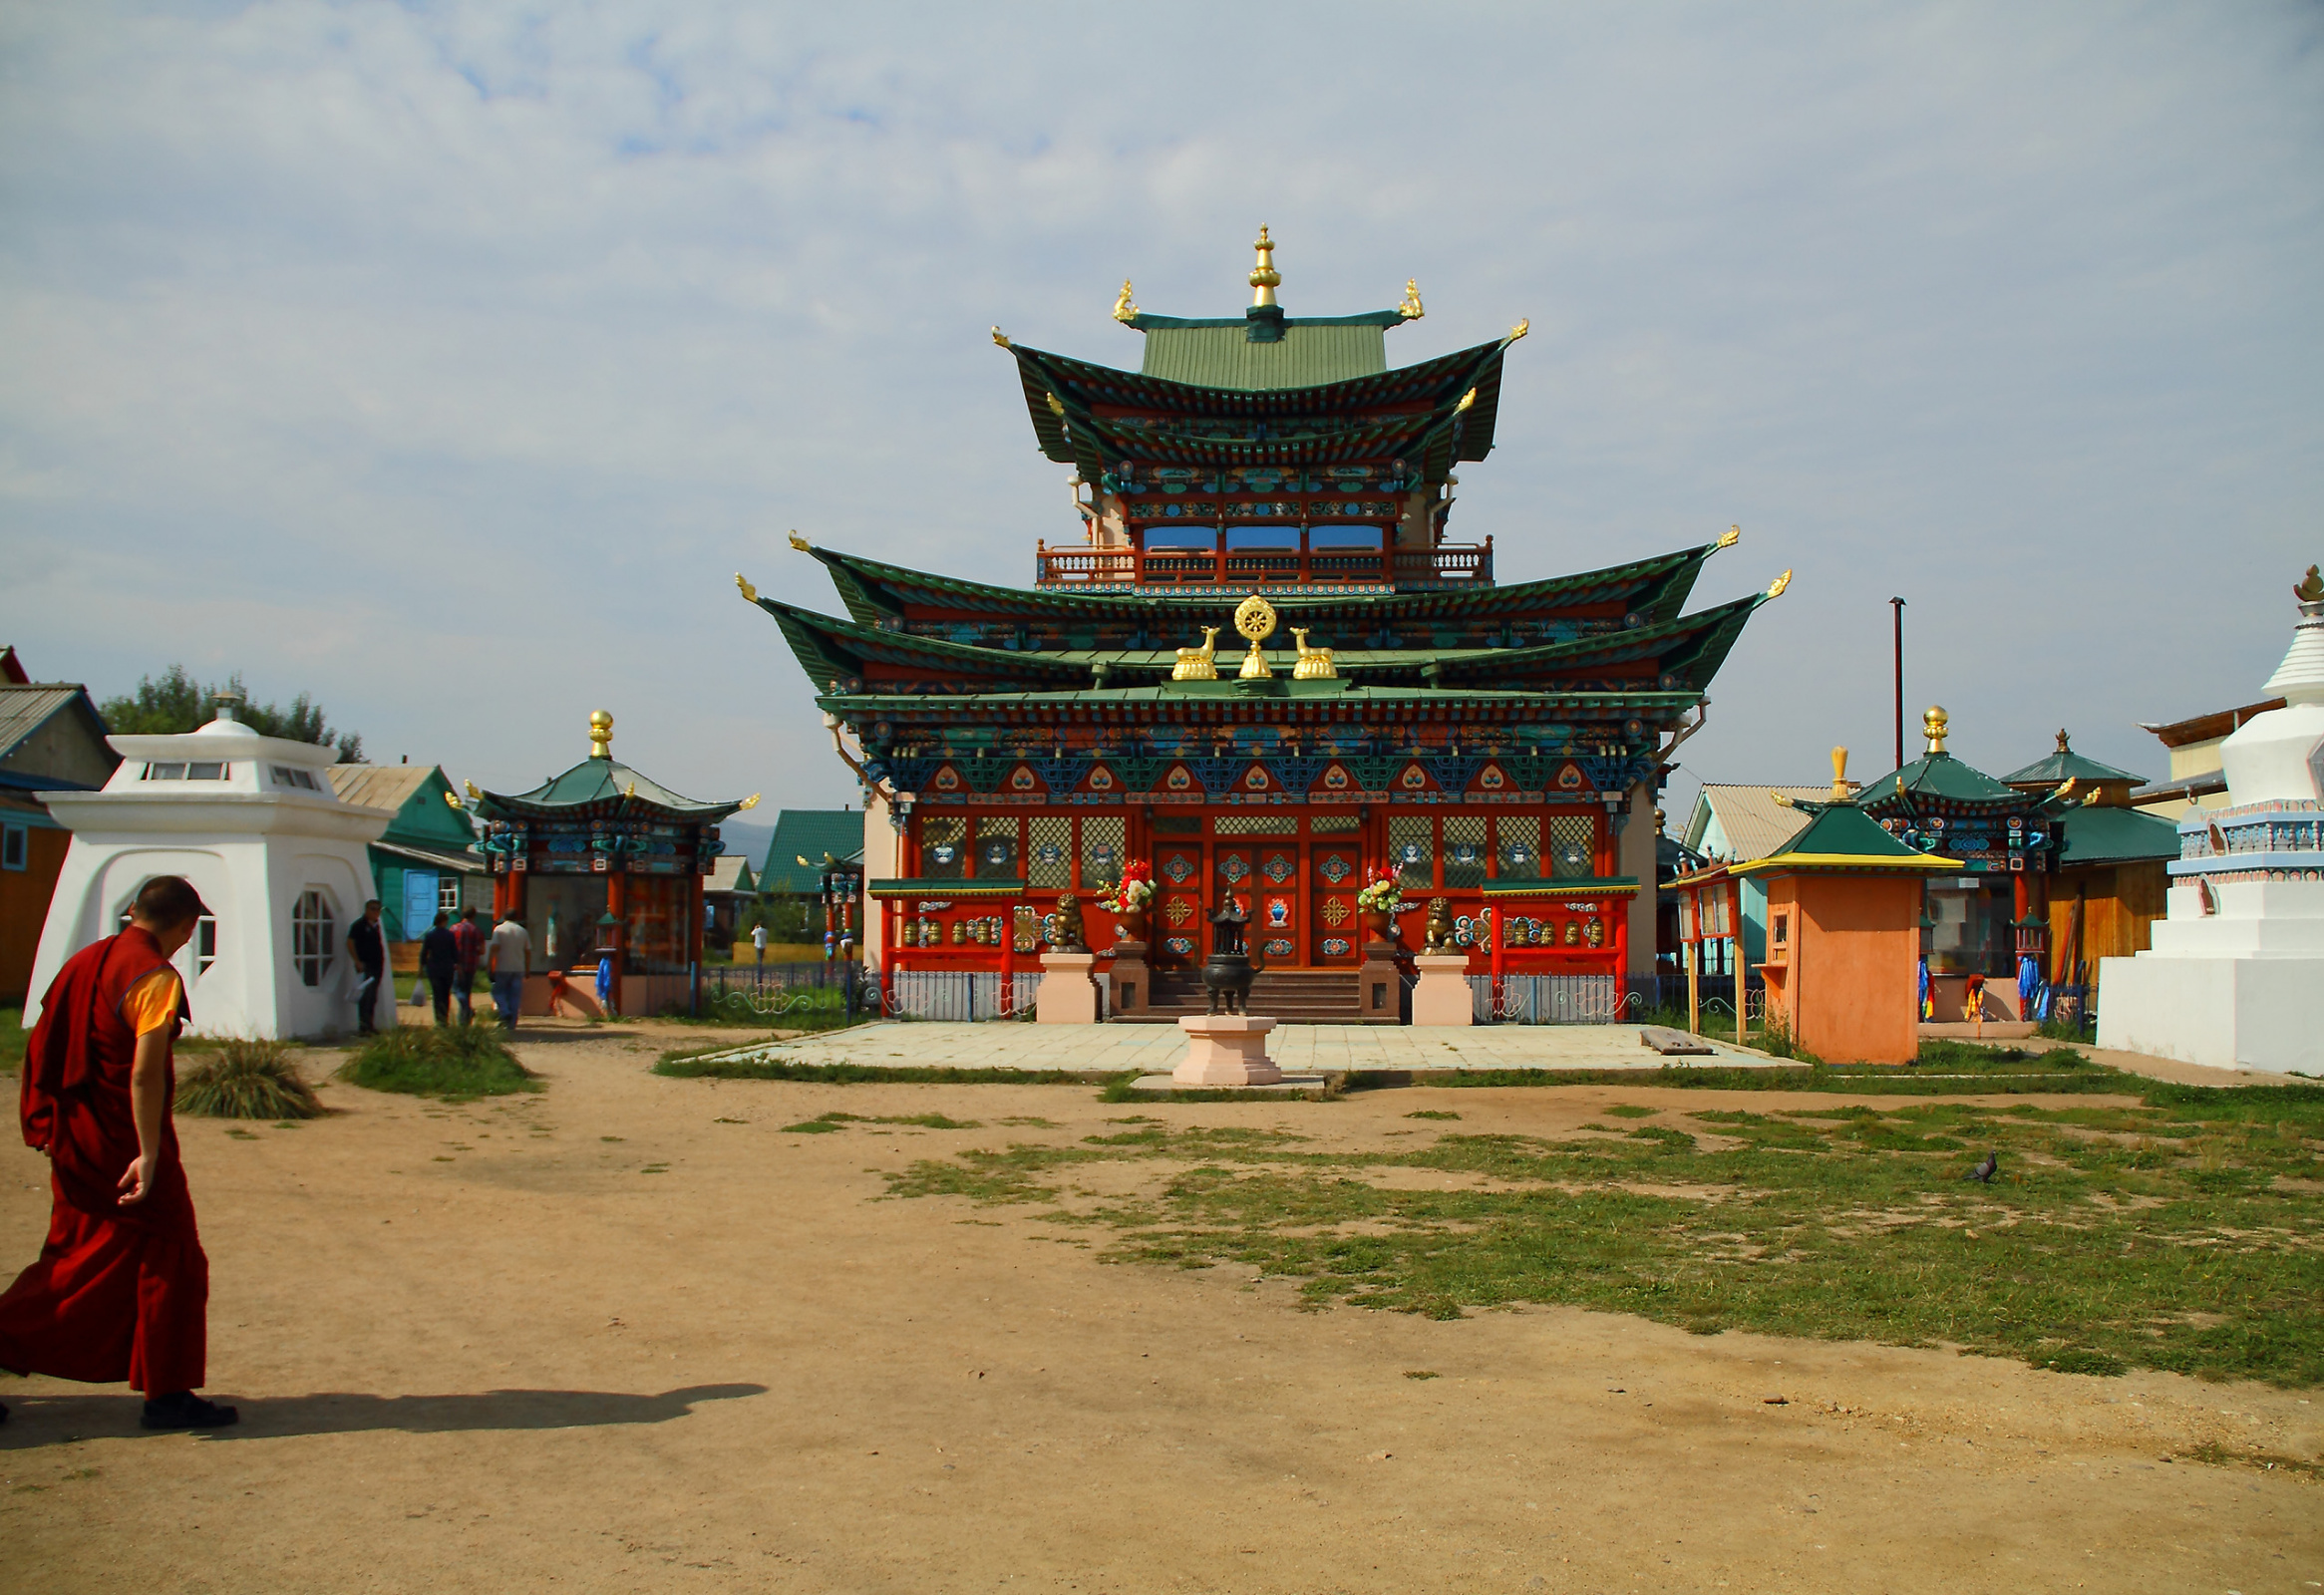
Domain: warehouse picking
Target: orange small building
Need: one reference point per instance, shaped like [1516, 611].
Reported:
[1842, 966]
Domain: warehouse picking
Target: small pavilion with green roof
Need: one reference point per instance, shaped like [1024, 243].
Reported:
[603, 858]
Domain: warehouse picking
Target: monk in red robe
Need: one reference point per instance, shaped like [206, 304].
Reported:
[122, 1289]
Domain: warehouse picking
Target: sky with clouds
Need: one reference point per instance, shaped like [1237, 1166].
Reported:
[445, 360]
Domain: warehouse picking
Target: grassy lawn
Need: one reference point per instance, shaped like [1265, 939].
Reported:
[2179, 1230]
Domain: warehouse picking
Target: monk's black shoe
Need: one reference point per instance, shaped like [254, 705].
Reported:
[187, 1410]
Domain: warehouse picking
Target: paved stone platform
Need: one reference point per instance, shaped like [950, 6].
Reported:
[1300, 1048]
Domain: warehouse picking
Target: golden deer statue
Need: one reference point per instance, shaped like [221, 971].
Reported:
[1198, 664]
[1314, 662]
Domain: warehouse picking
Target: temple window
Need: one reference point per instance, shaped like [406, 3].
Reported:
[1574, 846]
[1412, 849]
[1463, 850]
[311, 931]
[996, 845]
[290, 775]
[943, 853]
[1518, 840]
[1049, 855]
[1257, 825]
[1105, 843]
[204, 770]
[1334, 825]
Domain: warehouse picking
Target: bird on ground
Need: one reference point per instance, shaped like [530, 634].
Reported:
[1983, 1172]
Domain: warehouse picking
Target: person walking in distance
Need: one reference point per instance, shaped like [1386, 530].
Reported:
[438, 957]
[367, 947]
[511, 951]
[463, 972]
[121, 1289]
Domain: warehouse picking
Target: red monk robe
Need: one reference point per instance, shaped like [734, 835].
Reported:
[122, 1289]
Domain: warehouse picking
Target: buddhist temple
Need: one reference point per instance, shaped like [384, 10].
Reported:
[603, 861]
[1267, 669]
[2112, 866]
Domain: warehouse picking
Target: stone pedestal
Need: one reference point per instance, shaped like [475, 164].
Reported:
[1068, 996]
[1226, 1049]
[1442, 997]
[1379, 986]
[1132, 980]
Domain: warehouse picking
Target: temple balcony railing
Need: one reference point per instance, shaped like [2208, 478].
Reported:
[1247, 568]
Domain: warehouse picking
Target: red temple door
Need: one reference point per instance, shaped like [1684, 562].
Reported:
[1277, 925]
[1178, 927]
[1335, 870]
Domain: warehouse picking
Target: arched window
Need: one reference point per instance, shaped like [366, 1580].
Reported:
[312, 934]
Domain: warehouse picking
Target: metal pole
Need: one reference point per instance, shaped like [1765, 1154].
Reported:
[1896, 605]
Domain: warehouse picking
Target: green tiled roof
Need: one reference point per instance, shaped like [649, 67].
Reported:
[1655, 587]
[1841, 836]
[2101, 835]
[600, 782]
[1939, 776]
[2067, 764]
[1220, 354]
[809, 833]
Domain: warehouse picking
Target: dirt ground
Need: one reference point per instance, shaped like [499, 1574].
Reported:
[625, 1335]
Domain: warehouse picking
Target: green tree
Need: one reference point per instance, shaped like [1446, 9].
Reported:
[174, 703]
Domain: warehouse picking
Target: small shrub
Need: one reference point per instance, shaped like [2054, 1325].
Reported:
[456, 1061]
[248, 1080]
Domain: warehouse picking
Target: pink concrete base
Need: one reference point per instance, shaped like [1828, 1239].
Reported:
[1226, 1049]
[1067, 995]
[1442, 997]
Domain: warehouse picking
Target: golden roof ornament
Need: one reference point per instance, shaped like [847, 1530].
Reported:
[1266, 279]
[1410, 309]
[1125, 308]
[2062, 746]
[745, 588]
[453, 799]
[1839, 786]
[1934, 724]
[600, 733]
[1002, 339]
[1728, 538]
[1056, 404]
[1521, 329]
[750, 801]
[2310, 592]
[801, 543]
[1776, 586]
[1255, 618]
[1467, 404]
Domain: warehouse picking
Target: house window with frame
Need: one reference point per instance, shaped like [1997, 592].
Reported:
[311, 935]
[448, 892]
[15, 847]
[205, 940]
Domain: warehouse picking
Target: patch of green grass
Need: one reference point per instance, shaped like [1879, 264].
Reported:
[2156, 1231]
[1944, 1068]
[2217, 1456]
[458, 1062]
[804, 1008]
[824, 1123]
[248, 1080]
[1433, 1113]
[1422, 1372]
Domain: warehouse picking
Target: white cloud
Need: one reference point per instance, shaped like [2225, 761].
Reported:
[445, 360]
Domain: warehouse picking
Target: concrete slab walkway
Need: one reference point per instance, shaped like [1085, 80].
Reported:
[1305, 1048]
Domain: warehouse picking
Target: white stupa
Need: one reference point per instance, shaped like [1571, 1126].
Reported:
[253, 824]
[2235, 971]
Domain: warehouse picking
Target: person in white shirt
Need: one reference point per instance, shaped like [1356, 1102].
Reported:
[512, 949]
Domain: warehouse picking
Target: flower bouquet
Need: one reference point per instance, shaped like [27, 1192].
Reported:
[1381, 895]
[1129, 898]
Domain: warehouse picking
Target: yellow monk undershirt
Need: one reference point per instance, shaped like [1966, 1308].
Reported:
[151, 1003]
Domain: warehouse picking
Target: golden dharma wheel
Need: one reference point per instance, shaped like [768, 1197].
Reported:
[1255, 618]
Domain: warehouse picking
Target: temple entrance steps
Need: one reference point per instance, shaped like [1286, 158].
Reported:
[1294, 996]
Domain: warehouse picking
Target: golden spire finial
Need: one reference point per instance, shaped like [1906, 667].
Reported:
[1840, 788]
[1266, 279]
[1934, 724]
[2062, 746]
[1728, 538]
[1410, 309]
[600, 733]
[1125, 308]
[747, 590]
[1776, 586]
[2312, 590]
[801, 543]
